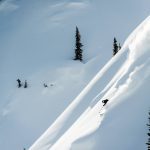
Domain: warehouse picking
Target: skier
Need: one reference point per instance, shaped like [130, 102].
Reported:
[19, 83]
[105, 101]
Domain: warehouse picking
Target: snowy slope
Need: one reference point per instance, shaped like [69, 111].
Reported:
[37, 45]
[124, 80]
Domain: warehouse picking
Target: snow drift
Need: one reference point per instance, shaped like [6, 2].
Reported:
[124, 80]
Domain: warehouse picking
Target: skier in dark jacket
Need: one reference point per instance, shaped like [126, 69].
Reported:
[105, 101]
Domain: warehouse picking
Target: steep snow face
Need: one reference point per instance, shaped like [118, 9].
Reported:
[124, 80]
[37, 44]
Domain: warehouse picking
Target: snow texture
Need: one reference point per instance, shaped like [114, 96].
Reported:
[37, 44]
[124, 80]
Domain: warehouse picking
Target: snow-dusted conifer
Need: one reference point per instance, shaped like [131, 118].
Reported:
[19, 83]
[25, 84]
[115, 47]
[148, 142]
[119, 46]
[78, 45]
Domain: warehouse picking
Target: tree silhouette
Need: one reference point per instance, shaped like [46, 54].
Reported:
[148, 142]
[119, 47]
[115, 47]
[25, 84]
[19, 83]
[78, 45]
[45, 85]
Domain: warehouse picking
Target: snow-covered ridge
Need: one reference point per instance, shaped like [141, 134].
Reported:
[118, 80]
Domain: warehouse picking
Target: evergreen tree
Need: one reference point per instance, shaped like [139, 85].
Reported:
[45, 85]
[148, 142]
[19, 83]
[115, 47]
[25, 84]
[78, 45]
[119, 46]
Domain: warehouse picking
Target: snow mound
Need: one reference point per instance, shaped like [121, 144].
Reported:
[126, 75]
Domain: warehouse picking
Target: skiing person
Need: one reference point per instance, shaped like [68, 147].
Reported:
[19, 83]
[105, 101]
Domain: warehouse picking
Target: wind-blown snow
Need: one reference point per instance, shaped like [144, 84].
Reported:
[125, 77]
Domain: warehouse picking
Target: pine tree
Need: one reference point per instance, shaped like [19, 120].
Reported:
[78, 45]
[148, 142]
[119, 47]
[19, 83]
[115, 47]
[25, 84]
[45, 85]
